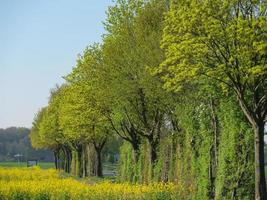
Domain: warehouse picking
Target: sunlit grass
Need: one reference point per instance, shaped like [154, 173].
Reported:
[43, 165]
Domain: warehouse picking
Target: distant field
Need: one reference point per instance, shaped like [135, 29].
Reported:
[109, 170]
[43, 165]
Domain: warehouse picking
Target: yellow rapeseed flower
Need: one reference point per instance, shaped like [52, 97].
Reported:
[38, 184]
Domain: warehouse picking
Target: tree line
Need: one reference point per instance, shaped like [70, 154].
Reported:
[15, 145]
[183, 83]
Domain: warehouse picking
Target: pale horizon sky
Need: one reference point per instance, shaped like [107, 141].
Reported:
[39, 43]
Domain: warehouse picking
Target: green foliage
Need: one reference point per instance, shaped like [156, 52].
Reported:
[221, 42]
[235, 174]
[193, 133]
[218, 39]
[126, 170]
[85, 104]
[35, 137]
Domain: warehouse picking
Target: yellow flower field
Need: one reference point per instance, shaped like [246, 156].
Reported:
[37, 184]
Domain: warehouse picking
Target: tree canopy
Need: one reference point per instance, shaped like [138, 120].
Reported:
[182, 85]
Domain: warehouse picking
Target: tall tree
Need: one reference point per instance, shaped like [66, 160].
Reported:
[50, 130]
[131, 48]
[47, 133]
[84, 106]
[225, 41]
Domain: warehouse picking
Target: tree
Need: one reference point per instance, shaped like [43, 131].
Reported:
[84, 106]
[52, 133]
[131, 48]
[46, 131]
[34, 134]
[225, 41]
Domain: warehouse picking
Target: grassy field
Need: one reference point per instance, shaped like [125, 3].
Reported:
[43, 165]
[109, 170]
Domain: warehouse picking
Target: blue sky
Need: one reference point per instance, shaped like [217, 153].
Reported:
[39, 43]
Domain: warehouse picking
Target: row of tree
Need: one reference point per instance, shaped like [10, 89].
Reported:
[183, 83]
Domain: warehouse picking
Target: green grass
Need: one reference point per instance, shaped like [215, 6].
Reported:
[43, 165]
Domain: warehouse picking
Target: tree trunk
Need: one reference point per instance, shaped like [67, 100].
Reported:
[84, 161]
[213, 150]
[212, 173]
[154, 155]
[153, 149]
[73, 164]
[65, 159]
[98, 148]
[260, 182]
[79, 161]
[136, 151]
[98, 168]
[68, 159]
[56, 158]
[91, 158]
[256, 119]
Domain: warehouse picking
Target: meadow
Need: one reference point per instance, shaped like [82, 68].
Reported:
[39, 184]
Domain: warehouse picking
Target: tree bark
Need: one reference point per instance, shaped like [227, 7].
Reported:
[99, 171]
[98, 165]
[84, 161]
[65, 154]
[212, 173]
[154, 154]
[153, 149]
[56, 158]
[67, 158]
[79, 161]
[91, 158]
[256, 118]
[213, 150]
[136, 151]
[260, 182]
